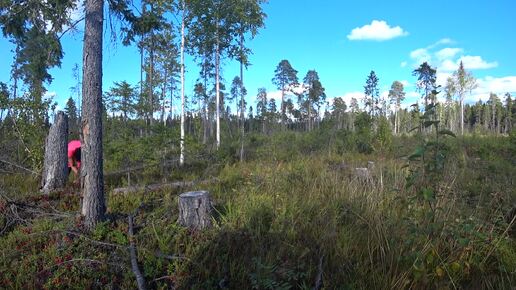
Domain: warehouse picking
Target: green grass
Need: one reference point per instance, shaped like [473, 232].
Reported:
[277, 216]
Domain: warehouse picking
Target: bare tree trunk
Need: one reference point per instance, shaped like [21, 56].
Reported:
[396, 121]
[263, 124]
[283, 107]
[309, 116]
[163, 97]
[206, 107]
[462, 115]
[55, 167]
[242, 116]
[217, 87]
[151, 86]
[182, 141]
[140, 280]
[206, 124]
[93, 205]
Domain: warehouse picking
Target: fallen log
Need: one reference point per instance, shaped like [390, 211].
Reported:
[161, 186]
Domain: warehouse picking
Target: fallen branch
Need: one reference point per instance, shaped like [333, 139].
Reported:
[94, 241]
[159, 254]
[319, 278]
[160, 186]
[140, 280]
[19, 166]
[163, 278]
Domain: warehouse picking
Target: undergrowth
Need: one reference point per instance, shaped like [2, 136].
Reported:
[281, 219]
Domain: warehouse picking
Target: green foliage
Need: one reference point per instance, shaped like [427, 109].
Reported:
[363, 125]
[383, 136]
[294, 202]
[371, 100]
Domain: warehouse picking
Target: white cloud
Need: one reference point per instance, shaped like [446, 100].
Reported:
[420, 55]
[348, 96]
[447, 59]
[288, 95]
[410, 98]
[448, 65]
[490, 84]
[476, 62]
[447, 52]
[378, 30]
[442, 76]
[78, 12]
[49, 95]
[441, 41]
[274, 95]
[405, 83]
[403, 64]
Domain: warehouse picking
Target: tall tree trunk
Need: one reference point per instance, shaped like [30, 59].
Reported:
[309, 116]
[283, 106]
[170, 110]
[242, 116]
[182, 141]
[206, 109]
[55, 171]
[462, 115]
[396, 121]
[141, 70]
[164, 96]
[263, 124]
[93, 205]
[151, 81]
[217, 85]
[493, 112]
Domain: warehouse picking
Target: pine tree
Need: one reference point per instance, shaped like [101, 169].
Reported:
[426, 82]
[73, 119]
[396, 96]
[313, 95]
[371, 93]
[285, 79]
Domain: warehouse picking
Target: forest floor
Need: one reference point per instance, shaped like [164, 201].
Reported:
[295, 216]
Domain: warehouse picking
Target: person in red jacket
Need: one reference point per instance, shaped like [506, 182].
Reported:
[74, 157]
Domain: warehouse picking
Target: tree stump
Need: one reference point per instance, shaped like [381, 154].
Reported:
[195, 210]
[363, 174]
[55, 171]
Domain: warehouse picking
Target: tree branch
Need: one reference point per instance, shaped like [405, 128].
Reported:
[140, 280]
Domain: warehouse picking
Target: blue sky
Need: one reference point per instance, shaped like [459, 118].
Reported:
[343, 41]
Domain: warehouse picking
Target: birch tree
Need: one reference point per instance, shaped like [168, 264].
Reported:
[464, 82]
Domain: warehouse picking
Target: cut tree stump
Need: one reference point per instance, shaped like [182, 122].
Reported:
[365, 174]
[55, 171]
[195, 210]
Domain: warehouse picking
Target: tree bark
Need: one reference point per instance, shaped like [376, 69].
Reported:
[140, 280]
[195, 210]
[182, 141]
[242, 109]
[55, 171]
[462, 115]
[93, 204]
[217, 87]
